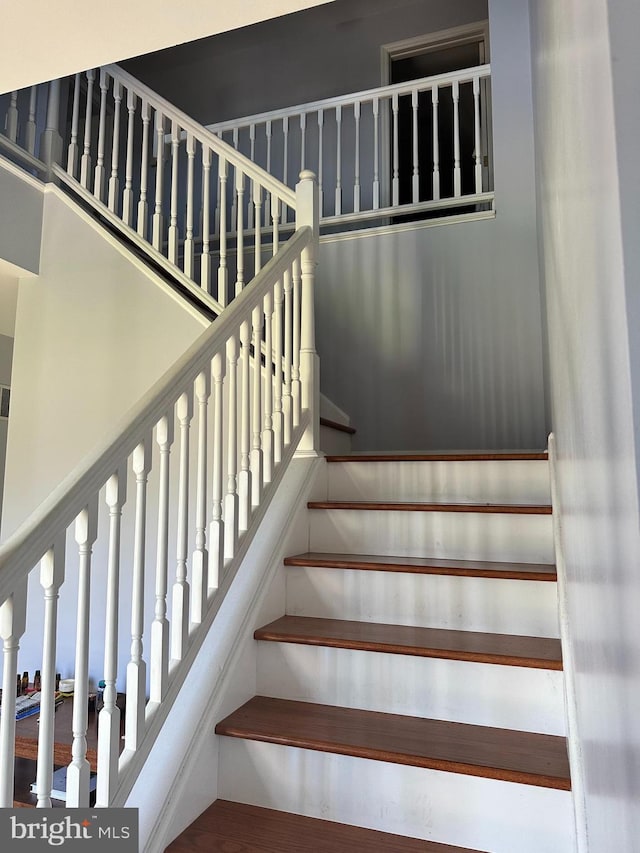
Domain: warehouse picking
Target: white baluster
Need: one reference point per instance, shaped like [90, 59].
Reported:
[11, 119]
[160, 625]
[240, 232]
[256, 409]
[98, 175]
[288, 352]
[244, 476]
[338, 202]
[477, 147]
[127, 194]
[180, 599]
[320, 166]
[268, 132]
[234, 198]
[376, 153]
[275, 217]
[415, 183]
[13, 614]
[85, 161]
[158, 224]
[457, 183]
[114, 183]
[223, 273]
[295, 362]
[109, 716]
[78, 771]
[188, 239]
[51, 578]
[267, 432]
[216, 529]
[172, 249]
[200, 559]
[205, 258]
[137, 667]
[30, 131]
[72, 153]
[306, 214]
[231, 497]
[436, 145]
[51, 141]
[285, 161]
[143, 208]
[395, 183]
[252, 157]
[216, 215]
[257, 244]
[277, 373]
[356, 182]
[303, 139]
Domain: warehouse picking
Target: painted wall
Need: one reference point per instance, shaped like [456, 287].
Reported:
[587, 123]
[20, 218]
[440, 328]
[6, 356]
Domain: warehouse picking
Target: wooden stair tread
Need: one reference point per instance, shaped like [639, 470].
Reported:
[408, 506]
[440, 457]
[425, 566]
[511, 650]
[225, 827]
[327, 422]
[494, 753]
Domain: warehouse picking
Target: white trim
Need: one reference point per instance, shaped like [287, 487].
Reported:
[407, 226]
[573, 740]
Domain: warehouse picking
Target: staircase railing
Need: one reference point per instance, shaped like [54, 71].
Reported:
[195, 205]
[249, 412]
[397, 149]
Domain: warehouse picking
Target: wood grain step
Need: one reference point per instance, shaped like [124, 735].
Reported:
[513, 756]
[237, 828]
[440, 457]
[509, 650]
[326, 422]
[425, 566]
[379, 506]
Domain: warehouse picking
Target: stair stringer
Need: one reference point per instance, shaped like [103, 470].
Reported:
[180, 779]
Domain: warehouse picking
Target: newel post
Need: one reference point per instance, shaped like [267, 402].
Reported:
[307, 214]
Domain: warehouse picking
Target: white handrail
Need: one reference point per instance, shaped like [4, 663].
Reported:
[466, 75]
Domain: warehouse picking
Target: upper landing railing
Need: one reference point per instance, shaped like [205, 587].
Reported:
[197, 206]
[398, 149]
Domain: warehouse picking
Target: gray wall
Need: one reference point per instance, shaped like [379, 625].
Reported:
[318, 53]
[20, 220]
[6, 356]
[586, 67]
[440, 328]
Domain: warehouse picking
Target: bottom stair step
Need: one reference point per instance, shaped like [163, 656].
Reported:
[493, 753]
[226, 826]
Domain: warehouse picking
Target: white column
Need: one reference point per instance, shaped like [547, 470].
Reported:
[244, 475]
[172, 248]
[205, 258]
[78, 772]
[180, 599]
[98, 174]
[51, 579]
[137, 668]
[51, 141]
[158, 220]
[200, 558]
[188, 237]
[231, 497]
[457, 177]
[256, 408]
[216, 529]
[13, 613]
[72, 153]
[307, 214]
[127, 194]
[30, 130]
[85, 162]
[223, 273]
[436, 145]
[143, 205]
[160, 625]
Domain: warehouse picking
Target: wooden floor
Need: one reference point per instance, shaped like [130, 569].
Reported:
[236, 828]
[535, 652]
[407, 506]
[426, 566]
[494, 753]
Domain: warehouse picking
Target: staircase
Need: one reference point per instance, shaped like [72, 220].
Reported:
[411, 698]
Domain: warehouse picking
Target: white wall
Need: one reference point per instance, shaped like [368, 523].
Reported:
[6, 356]
[586, 67]
[20, 218]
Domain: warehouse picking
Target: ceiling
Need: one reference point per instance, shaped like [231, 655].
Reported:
[44, 40]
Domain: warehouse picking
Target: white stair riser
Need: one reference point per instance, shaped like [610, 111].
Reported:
[429, 601]
[486, 814]
[513, 482]
[461, 691]
[452, 535]
[333, 441]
